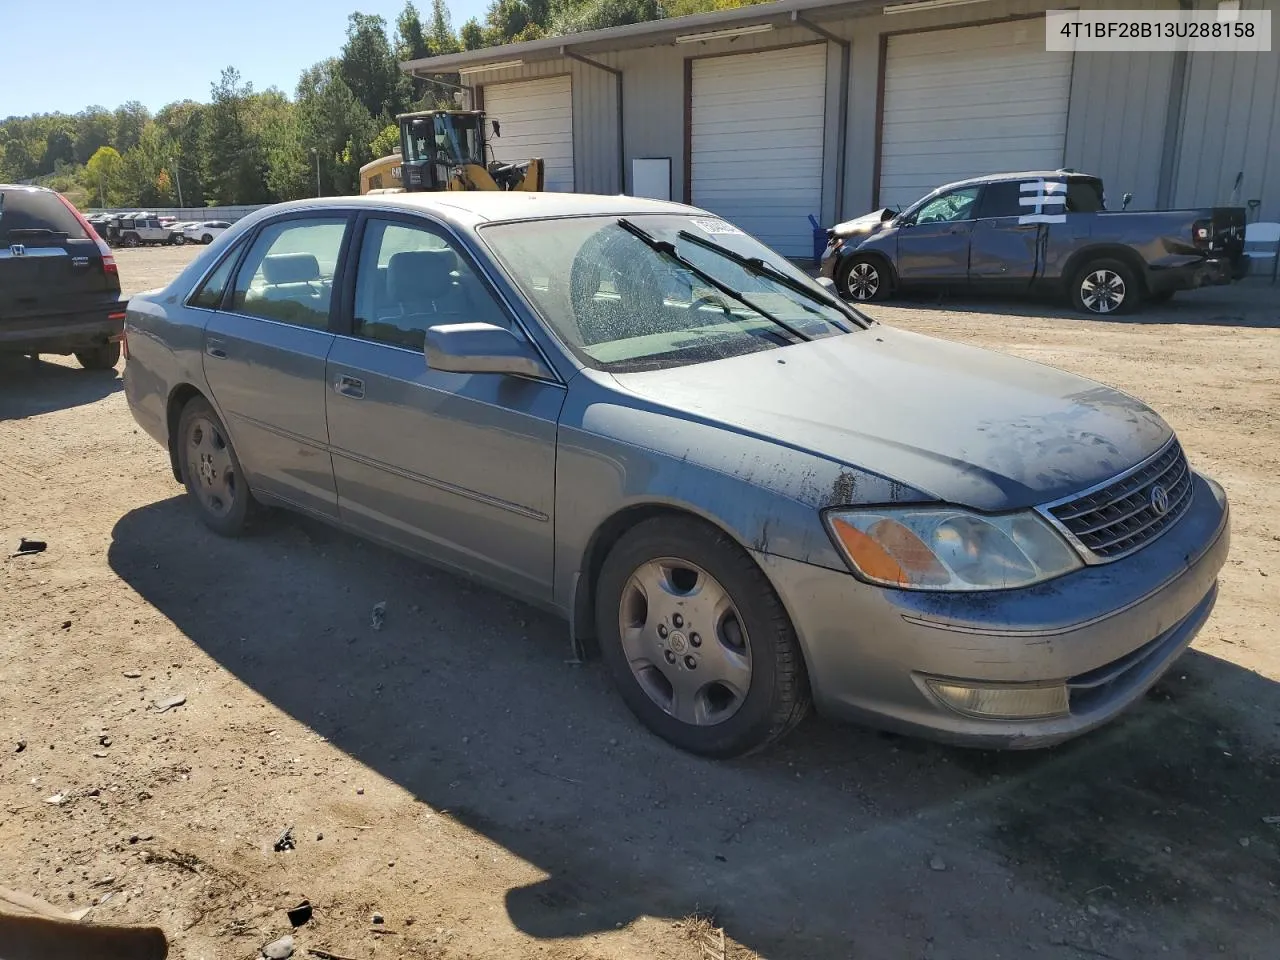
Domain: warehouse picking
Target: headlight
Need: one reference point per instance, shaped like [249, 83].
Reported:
[946, 548]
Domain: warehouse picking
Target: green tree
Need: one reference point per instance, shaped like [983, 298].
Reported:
[411, 42]
[386, 142]
[368, 67]
[102, 176]
[59, 149]
[233, 158]
[442, 38]
[94, 127]
[472, 35]
[336, 125]
[183, 123]
[145, 170]
[131, 119]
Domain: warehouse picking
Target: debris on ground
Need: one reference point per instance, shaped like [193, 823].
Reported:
[300, 914]
[285, 841]
[133, 674]
[377, 918]
[58, 799]
[168, 703]
[1270, 820]
[104, 741]
[379, 615]
[27, 547]
[280, 949]
[22, 745]
[66, 624]
[937, 863]
[325, 954]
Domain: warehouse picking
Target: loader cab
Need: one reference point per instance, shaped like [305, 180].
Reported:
[435, 143]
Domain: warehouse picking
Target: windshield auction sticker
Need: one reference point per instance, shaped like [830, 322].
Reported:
[1227, 29]
[713, 226]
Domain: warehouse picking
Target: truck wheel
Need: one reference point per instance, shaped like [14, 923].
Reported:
[130, 240]
[864, 279]
[179, 239]
[104, 357]
[1105, 287]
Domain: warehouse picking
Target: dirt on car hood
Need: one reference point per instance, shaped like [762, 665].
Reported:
[962, 424]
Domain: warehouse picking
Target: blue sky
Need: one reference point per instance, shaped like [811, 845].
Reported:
[157, 52]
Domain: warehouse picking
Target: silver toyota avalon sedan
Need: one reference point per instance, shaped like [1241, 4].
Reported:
[744, 494]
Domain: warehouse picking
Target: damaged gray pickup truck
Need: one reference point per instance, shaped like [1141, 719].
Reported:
[1045, 232]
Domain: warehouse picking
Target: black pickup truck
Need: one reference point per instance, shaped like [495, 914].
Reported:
[1036, 232]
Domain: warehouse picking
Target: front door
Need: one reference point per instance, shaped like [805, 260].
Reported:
[457, 467]
[933, 242]
[264, 359]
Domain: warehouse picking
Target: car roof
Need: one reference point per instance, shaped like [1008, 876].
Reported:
[473, 207]
[1023, 175]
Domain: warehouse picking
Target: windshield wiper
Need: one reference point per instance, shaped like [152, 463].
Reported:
[763, 268]
[667, 248]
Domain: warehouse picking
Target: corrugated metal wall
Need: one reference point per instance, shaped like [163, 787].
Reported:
[595, 116]
[1231, 123]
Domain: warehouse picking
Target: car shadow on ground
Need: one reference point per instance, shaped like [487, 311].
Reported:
[1249, 304]
[29, 388]
[838, 842]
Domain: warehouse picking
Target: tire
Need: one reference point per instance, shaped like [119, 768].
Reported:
[211, 470]
[756, 688]
[130, 240]
[1105, 288]
[179, 239]
[104, 357]
[207, 238]
[864, 279]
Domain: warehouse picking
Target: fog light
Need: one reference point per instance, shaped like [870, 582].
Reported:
[1011, 702]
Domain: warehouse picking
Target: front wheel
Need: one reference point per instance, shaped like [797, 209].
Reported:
[179, 239]
[207, 238]
[864, 279]
[104, 357]
[1105, 287]
[211, 471]
[697, 642]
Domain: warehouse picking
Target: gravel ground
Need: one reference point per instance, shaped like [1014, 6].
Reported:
[456, 775]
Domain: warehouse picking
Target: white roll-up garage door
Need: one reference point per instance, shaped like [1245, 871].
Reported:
[961, 103]
[536, 118]
[756, 142]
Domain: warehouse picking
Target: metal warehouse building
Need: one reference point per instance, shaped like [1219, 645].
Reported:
[766, 114]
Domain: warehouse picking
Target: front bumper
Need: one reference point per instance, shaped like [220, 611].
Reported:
[1108, 632]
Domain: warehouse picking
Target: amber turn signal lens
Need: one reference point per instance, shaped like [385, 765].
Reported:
[889, 553]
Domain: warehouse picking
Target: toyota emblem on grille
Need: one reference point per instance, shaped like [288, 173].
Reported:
[1159, 500]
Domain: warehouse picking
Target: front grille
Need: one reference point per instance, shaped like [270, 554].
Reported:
[1117, 519]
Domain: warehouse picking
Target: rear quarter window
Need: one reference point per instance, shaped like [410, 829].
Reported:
[22, 211]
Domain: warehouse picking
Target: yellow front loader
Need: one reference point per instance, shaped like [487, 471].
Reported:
[447, 150]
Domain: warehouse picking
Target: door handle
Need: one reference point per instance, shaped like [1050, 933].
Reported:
[349, 387]
[215, 348]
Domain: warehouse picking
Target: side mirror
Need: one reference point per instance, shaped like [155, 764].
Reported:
[482, 348]
[497, 130]
[1125, 201]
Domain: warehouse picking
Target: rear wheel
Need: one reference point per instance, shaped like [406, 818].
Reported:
[130, 240]
[864, 279]
[1105, 287]
[207, 238]
[697, 642]
[211, 470]
[179, 239]
[104, 357]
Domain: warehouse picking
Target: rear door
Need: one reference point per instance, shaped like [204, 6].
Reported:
[1004, 251]
[49, 264]
[264, 357]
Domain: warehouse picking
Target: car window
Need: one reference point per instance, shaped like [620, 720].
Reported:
[1002, 199]
[411, 278]
[1084, 196]
[24, 214]
[209, 293]
[288, 272]
[956, 205]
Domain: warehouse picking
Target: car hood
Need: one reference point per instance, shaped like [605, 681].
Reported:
[961, 424]
[863, 226]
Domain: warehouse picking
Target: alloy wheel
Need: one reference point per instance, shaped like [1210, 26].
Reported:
[1102, 291]
[863, 281]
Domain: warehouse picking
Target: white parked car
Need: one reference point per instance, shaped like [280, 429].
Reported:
[205, 231]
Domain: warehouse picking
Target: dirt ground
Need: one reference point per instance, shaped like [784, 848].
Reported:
[455, 774]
